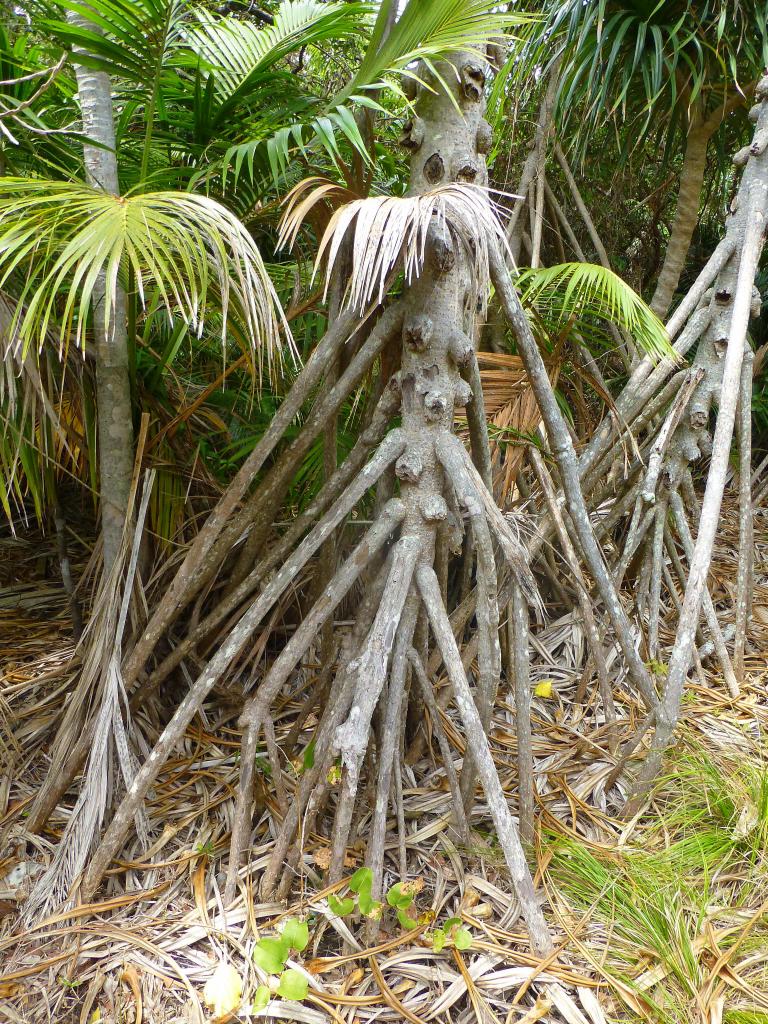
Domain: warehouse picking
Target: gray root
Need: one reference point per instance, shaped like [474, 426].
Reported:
[457, 802]
[582, 590]
[196, 568]
[256, 713]
[518, 638]
[391, 733]
[745, 571]
[684, 533]
[477, 745]
[331, 491]
[228, 650]
[370, 669]
[562, 447]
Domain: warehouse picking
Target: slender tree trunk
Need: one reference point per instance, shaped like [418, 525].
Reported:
[113, 390]
[686, 216]
[533, 168]
[745, 572]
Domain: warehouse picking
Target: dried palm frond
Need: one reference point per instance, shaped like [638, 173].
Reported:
[513, 415]
[384, 229]
[100, 688]
[41, 428]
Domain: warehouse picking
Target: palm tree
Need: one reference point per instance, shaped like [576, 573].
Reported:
[662, 69]
[115, 420]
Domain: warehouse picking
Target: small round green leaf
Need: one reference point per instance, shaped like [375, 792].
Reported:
[406, 922]
[462, 938]
[362, 880]
[293, 985]
[270, 955]
[295, 934]
[340, 907]
[260, 999]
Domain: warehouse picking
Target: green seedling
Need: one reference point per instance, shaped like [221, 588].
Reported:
[271, 954]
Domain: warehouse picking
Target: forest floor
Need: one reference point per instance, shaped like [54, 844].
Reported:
[664, 918]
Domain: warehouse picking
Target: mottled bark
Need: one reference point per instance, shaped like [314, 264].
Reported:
[110, 327]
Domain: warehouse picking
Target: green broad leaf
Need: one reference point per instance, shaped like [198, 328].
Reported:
[293, 985]
[452, 922]
[399, 899]
[260, 999]
[462, 938]
[361, 881]
[370, 907]
[309, 756]
[438, 939]
[341, 907]
[406, 922]
[295, 934]
[270, 955]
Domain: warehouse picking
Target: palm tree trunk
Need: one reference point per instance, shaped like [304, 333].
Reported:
[686, 216]
[113, 391]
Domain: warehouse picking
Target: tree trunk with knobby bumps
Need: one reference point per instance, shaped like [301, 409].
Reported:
[383, 660]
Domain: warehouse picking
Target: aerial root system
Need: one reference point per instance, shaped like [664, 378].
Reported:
[378, 671]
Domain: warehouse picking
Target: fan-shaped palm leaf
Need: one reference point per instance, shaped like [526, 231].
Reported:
[130, 39]
[575, 292]
[57, 238]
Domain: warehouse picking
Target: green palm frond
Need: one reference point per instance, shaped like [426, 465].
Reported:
[58, 239]
[422, 32]
[653, 61]
[273, 154]
[427, 32]
[239, 52]
[131, 40]
[242, 62]
[573, 292]
[382, 229]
